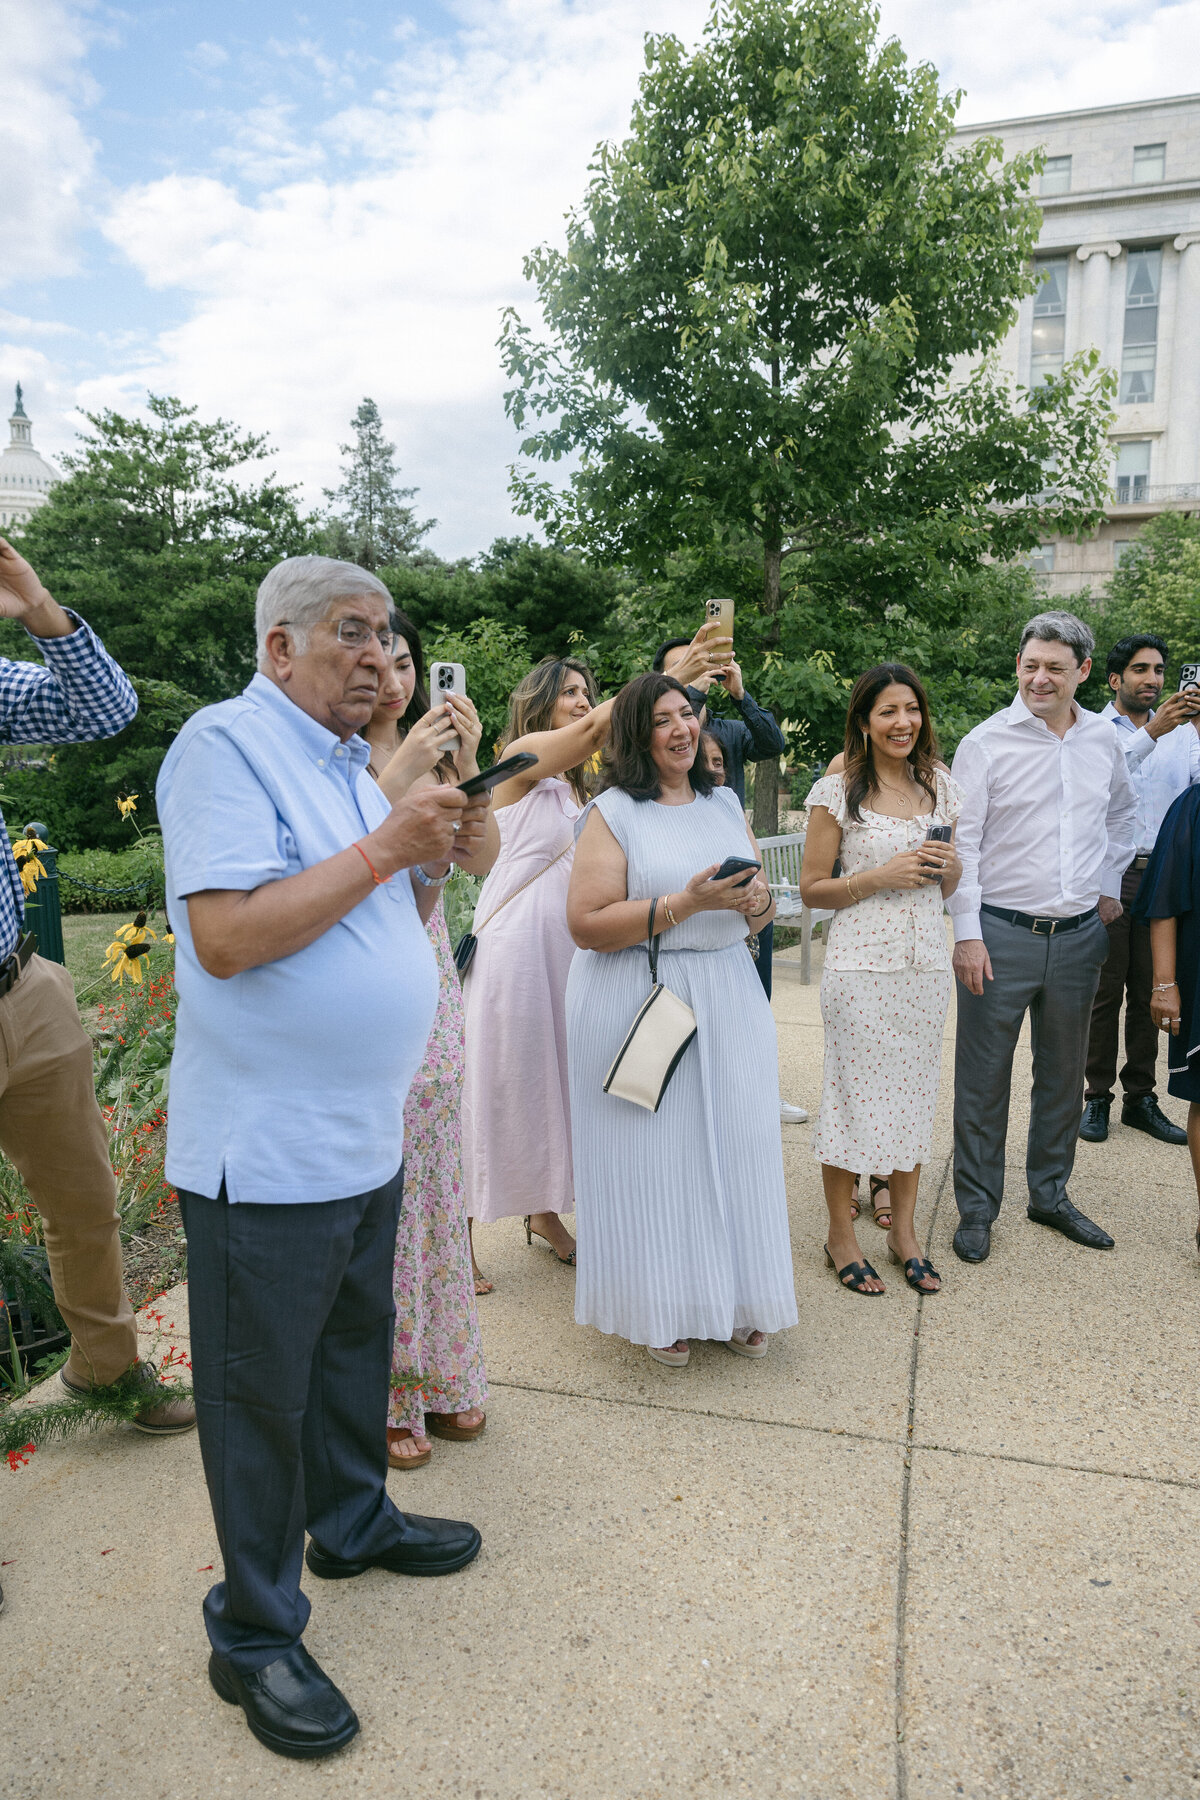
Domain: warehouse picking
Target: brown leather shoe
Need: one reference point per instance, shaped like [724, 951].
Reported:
[163, 1415]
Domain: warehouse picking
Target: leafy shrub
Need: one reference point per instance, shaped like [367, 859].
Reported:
[140, 866]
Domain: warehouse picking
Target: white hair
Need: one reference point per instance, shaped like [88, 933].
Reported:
[1060, 628]
[300, 591]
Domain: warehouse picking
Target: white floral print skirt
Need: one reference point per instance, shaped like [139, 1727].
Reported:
[883, 1064]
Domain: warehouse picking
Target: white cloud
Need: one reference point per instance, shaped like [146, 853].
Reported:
[368, 248]
[390, 281]
[46, 159]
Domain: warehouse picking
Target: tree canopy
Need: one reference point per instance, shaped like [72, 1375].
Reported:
[767, 340]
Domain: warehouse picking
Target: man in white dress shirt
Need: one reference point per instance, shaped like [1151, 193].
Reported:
[1162, 754]
[1046, 831]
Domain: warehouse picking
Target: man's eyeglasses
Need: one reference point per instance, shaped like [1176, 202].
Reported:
[355, 634]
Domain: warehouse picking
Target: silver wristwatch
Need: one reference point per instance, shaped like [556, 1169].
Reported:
[432, 881]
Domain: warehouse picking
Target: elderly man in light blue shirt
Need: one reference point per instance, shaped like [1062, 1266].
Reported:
[1162, 755]
[307, 988]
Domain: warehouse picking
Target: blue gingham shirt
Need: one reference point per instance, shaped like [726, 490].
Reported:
[81, 694]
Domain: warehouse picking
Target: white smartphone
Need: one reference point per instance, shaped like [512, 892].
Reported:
[1189, 676]
[446, 678]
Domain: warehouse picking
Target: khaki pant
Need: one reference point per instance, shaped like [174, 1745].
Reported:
[51, 1128]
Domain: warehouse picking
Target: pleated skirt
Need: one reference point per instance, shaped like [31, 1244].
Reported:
[680, 1215]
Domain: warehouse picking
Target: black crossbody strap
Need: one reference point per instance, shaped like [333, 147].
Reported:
[652, 944]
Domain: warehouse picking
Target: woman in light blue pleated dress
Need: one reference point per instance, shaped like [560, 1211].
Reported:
[681, 1215]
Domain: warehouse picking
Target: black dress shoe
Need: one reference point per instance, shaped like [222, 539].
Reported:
[291, 1706]
[1073, 1224]
[1094, 1128]
[428, 1547]
[1145, 1114]
[973, 1242]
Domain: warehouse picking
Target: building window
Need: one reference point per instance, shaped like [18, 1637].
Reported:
[1133, 472]
[1056, 176]
[1041, 560]
[1149, 162]
[1049, 319]
[1121, 550]
[1143, 277]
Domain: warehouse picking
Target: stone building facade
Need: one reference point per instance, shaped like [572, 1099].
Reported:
[25, 477]
[1119, 265]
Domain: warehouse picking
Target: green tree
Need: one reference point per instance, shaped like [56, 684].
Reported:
[158, 536]
[1157, 587]
[370, 522]
[757, 334]
[495, 656]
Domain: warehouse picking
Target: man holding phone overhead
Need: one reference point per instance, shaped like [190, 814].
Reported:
[1162, 755]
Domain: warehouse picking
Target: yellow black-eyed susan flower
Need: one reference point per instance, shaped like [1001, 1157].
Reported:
[127, 804]
[129, 949]
[30, 868]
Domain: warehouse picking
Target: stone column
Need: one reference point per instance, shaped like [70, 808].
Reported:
[1183, 417]
[1093, 313]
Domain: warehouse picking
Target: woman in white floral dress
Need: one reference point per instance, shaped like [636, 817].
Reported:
[439, 1385]
[887, 979]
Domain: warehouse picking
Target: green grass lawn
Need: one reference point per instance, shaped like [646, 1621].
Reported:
[86, 936]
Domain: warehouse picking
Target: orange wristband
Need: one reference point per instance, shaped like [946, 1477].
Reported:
[377, 879]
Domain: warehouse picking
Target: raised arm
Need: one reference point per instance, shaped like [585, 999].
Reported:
[80, 694]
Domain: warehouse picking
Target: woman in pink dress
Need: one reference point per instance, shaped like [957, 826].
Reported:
[516, 1118]
[439, 1384]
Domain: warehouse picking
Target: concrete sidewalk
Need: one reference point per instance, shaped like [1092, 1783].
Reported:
[941, 1547]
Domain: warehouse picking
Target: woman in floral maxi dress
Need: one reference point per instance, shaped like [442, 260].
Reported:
[439, 1385]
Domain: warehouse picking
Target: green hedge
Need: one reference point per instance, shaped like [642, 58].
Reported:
[140, 866]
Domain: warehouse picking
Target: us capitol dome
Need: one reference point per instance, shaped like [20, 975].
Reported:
[25, 477]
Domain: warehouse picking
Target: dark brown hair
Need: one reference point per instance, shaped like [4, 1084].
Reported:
[628, 764]
[446, 770]
[532, 703]
[859, 775]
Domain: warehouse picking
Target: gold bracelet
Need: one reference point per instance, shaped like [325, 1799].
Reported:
[671, 919]
[850, 879]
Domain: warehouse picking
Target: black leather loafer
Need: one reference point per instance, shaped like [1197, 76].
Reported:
[1145, 1114]
[428, 1547]
[291, 1706]
[973, 1243]
[1073, 1224]
[1093, 1128]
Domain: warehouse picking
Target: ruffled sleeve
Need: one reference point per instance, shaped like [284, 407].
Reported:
[829, 792]
[950, 797]
[1171, 884]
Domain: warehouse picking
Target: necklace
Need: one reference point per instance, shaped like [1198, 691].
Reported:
[907, 795]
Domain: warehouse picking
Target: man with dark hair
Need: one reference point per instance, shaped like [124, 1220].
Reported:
[1162, 755]
[755, 737]
[1046, 827]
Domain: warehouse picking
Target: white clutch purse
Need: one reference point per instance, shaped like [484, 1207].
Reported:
[655, 1042]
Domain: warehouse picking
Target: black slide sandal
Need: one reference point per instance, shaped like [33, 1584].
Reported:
[860, 1273]
[916, 1270]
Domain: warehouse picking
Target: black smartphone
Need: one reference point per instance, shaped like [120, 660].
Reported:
[490, 778]
[733, 865]
[940, 834]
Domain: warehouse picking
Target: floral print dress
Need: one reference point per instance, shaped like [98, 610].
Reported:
[437, 1361]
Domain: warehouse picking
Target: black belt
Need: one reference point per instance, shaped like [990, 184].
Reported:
[12, 965]
[1040, 927]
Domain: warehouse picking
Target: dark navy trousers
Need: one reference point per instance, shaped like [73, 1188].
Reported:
[292, 1318]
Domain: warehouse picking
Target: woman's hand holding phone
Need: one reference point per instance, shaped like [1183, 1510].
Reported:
[469, 729]
[422, 748]
[705, 894]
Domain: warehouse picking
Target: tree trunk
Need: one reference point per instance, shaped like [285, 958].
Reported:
[766, 774]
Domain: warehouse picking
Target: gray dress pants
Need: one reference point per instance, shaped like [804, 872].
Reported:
[1054, 980]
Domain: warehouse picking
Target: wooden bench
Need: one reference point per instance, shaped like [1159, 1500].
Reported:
[782, 857]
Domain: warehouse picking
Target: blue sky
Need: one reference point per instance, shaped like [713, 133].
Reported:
[273, 210]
